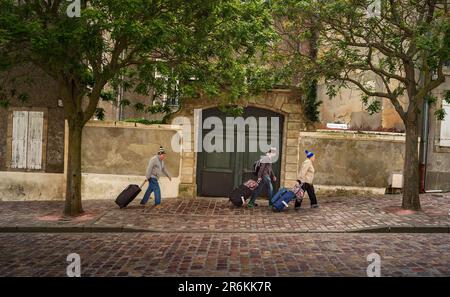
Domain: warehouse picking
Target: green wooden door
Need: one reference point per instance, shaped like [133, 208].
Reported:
[218, 173]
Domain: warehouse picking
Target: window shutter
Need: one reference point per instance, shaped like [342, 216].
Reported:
[35, 132]
[445, 127]
[19, 139]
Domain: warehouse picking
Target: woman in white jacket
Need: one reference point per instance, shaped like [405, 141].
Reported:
[306, 176]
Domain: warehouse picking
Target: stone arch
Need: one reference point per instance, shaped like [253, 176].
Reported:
[283, 101]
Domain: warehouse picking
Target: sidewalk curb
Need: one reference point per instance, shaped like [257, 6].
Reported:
[405, 229]
[71, 229]
[124, 229]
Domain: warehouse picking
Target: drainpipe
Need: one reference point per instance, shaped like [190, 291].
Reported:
[119, 111]
[423, 153]
[424, 146]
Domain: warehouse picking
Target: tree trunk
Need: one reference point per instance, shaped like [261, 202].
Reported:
[411, 199]
[73, 175]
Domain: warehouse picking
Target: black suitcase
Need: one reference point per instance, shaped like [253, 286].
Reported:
[128, 195]
[239, 195]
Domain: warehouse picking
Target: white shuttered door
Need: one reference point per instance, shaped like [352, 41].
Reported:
[445, 127]
[19, 140]
[35, 127]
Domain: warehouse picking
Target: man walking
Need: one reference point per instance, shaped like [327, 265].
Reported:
[154, 169]
[265, 177]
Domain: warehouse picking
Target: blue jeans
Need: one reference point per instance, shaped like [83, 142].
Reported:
[153, 186]
[265, 181]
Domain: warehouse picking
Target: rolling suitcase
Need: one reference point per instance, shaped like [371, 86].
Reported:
[281, 199]
[128, 195]
[239, 195]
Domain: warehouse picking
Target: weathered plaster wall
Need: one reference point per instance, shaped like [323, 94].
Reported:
[28, 186]
[23, 186]
[113, 157]
[125, 149]
[108, 186]
[347, 108]
[354, 159]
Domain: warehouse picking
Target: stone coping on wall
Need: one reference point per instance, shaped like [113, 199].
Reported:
[122, 124]
[355, 135]
[333, 190]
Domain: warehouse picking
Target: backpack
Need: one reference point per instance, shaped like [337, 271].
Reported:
[251, 184]
[256, 167]
[298, 191]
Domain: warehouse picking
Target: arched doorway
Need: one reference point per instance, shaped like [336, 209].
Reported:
[219, 172]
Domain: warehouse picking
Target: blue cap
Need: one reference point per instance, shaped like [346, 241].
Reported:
[309, 154]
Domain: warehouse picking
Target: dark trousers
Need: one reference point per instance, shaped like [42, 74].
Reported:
[309, 188]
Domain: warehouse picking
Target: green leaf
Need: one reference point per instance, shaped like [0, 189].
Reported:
[331, 91]
[23, 97]
[431, 99]
[4, 103]
[100, 114]
[232, 110]
[447, 96]
[373, 107]
[125, 102]
[143, 121]
[139, 106]
[440, 114]
[108, 96]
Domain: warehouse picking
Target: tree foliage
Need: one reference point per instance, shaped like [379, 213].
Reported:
[394, 49]
[203, 47]
[400, 45]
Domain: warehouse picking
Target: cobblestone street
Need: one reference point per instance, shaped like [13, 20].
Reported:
[147, 254]
[208, 237]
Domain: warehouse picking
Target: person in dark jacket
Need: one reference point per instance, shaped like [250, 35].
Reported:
[265, 177]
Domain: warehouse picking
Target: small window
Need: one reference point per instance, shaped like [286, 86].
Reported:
[27, 139]
[445, 127]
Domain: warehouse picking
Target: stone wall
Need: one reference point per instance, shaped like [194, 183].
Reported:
[115, 154]
[125, 148]
[351, 159]
[347, 108]
[25, 186]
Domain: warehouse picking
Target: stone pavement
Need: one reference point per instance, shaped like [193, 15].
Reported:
[209, 237]
[336, 214]
[228, 255]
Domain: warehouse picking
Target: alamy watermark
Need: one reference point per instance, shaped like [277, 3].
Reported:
[74, 267]
[74, 8]
[374, 268]
[230, 134]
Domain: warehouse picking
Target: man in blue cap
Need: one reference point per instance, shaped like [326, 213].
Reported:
[306, 176]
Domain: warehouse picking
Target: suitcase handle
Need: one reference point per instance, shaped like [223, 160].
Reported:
[143, 183]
